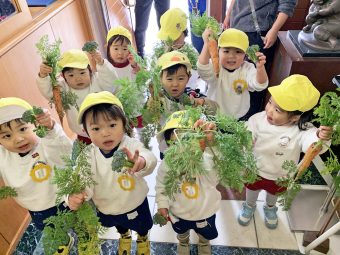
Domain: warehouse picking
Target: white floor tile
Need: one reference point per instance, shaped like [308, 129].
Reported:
[151, 181]
[230, 232]
[280, 238]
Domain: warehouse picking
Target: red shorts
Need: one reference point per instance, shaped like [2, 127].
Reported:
[139, 121]
[268, 185]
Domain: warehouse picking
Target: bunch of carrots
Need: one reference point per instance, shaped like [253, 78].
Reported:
[50, 53]
[199, 24]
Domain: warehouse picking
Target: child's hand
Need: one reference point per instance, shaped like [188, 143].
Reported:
[197, 101]
[44, 70]
[97, 57]
[45, 119]
[76, 200]
[164, 212]
[207, 128]
[139, 162]
[206, 34]
[261, 59]
[324, 133]
[133, 63]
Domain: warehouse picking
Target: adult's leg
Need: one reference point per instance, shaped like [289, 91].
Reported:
[142, 13]
[161, 6]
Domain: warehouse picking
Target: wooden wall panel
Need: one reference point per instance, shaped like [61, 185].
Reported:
[4, 245]
[70, 27]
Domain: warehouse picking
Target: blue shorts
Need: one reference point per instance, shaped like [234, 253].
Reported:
[138, 220]
[38, 217]
[206, 227]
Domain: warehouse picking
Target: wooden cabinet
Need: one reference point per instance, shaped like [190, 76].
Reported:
[288, 60]
[297, 21]
[13, 221]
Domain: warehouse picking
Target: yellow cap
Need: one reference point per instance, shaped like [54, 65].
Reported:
[12, 108]
[173, 58]
[74, 59]
[234, 38]
[173, 23]
[176, 120]
[295, 93]
[119, 31]
[93, 99]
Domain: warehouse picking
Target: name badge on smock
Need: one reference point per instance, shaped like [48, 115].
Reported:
[239, 86]
[40, 171]
[126, 182]
[190, 190]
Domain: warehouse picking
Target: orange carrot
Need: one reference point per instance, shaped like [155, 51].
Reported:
[58, 103]
[202, 144]
[213, 51]
[312, 151]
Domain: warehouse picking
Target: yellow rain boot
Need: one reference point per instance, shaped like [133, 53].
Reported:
[143, 245]
[204, 247]
[124, 247]
[65, 249]
[183, 247]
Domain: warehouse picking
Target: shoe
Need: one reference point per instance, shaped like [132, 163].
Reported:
[65, 249]
[124, 247]
[183, 247]
[270, 216]
[143, 245]
[204, 247]
[246, 214]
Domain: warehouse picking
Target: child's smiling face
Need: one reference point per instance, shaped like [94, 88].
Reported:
[175, 83]
[18, 137]
[77, 78]
[231, 58]
[104, 131]
[119, 51]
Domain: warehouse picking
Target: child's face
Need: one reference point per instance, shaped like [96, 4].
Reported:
[119, 51]
[278, 117]
[106, 133]
[231, 58]
[78, 78]
[18, 138]
[179, 42]
[174, 84]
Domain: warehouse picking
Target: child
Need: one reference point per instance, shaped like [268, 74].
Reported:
[78, 79]
[175, 74]
[120, 198]
[197, 209]
[118, 39]
[27, 161]
[280, 133]
[236, 77]
[263, 31]
[174, 27]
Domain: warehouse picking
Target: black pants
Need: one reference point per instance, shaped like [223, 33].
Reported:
[257, 97]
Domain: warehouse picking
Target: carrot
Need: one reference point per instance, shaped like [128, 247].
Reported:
[202, 144]
[213, 51]
[312, 151]
[58, 102]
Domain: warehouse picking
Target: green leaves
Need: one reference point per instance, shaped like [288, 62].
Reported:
[7, 191]
[120, 161]
[251, 53]
[233, 160]
[90, 46]
[159, 219]
[29, 117]
[50, 53]
[200, 23]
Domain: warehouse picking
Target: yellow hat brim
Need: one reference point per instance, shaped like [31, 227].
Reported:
[12, 108]
[93, 99]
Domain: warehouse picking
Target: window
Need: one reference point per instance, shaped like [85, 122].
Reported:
[7, 8]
